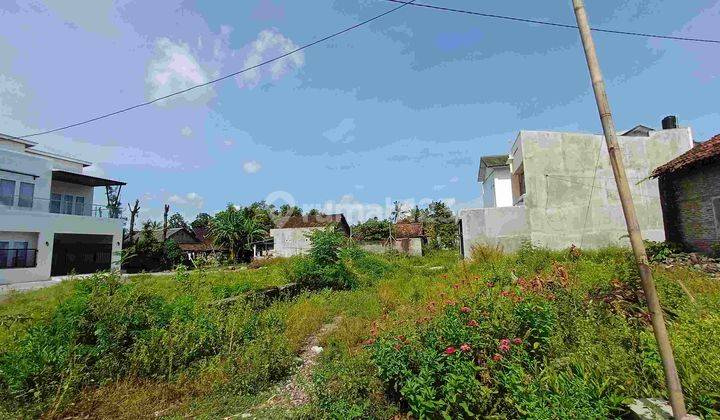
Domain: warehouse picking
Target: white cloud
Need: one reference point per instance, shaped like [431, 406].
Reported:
[270, 43]
[186, 131]
[252, 166]
[228, 142]
[438, 187]
[359, 187]
[454, 179]
[174, 68]
[342, 133]
[192, 199]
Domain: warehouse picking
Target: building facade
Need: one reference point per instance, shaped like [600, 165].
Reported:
[560, 199]
[49, 222]
[292, 235]
[690, 197]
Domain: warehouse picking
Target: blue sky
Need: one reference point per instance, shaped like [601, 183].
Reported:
[401, 109]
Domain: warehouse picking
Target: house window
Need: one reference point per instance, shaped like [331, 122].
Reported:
[80, 206]
[25, 198]
[21, 254]
[55, 203]
[67, 204]
[4, 254]
[7, 192]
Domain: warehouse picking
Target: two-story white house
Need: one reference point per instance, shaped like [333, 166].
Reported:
[49, 224]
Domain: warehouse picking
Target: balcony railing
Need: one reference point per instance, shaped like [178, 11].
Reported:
[18, 258]
[58, 206]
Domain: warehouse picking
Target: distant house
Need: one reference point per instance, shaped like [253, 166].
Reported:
[291, 236]
[193, 243]
[409, 238]
[555, 197]
[690, 196]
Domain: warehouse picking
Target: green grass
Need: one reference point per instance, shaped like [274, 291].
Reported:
[155, 344]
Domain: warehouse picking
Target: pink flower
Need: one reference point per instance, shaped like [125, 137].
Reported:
[504, 345]
[473, 323]
[465, 310]
[465, 347]
[456, 286]
[497, 357]
[517, 341]
[490, 284]
[450, 350]
[450, 302]
[369, 341]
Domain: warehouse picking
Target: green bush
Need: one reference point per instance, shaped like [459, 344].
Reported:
[323, 267]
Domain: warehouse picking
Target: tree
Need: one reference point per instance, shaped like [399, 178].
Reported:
[165, 221]
[177, 221]
[226, 229]
[371, 230]
[134, 210]
[288, 210]
[397, 211]
[201, 220]
[441, 226]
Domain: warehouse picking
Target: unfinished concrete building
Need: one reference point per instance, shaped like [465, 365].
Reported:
[560, 199]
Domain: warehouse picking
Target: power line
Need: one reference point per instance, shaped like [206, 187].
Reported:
[559, 25]
[227, 76]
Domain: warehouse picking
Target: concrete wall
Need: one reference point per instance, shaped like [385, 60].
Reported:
[691, 207]
[409, 246]
[497, 188]
[290, 242]
[503, 226]
[559, 170]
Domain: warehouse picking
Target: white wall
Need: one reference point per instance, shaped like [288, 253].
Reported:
[503, 187]
[292, 241]
[41, 224]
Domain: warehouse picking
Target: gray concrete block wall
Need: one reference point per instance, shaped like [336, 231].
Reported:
[688, 212]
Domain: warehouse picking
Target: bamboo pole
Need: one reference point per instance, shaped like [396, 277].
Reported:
[672, 379]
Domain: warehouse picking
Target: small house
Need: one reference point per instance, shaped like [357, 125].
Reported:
[409, 238]
[690, 197]
[291, 237]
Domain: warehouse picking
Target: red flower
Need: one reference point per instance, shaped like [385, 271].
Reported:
[450, 302]
[505, 293]
[490, 284]
[504, 345]
[517, 341]
[473, 323]
[465, 310]
[444, 276]
[401, 338]
[369, 341]
[465, 348]
[456, 286]
[497, 357]
[450, 350]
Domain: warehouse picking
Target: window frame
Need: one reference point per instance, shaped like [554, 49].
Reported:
[25, 201]
[4, 197]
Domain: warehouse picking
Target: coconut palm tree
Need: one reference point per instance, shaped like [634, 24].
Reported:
[253, 230]
[226, 229]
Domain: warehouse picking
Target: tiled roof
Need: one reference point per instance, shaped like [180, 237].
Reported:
[409, 230]
[203, 246]
[306, 221]
[709, 150]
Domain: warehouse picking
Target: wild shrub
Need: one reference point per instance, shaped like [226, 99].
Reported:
[660, 251]
[322, 267]
[486, 253]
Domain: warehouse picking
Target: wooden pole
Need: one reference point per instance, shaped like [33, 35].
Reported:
[165, 221]
[672, 379]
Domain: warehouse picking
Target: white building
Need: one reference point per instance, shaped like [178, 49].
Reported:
[292, 237]
[49, 224]
[494, 175]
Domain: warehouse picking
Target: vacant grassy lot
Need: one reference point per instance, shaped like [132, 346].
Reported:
[536, 334]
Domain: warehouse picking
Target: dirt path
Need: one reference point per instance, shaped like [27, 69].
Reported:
[293, 393]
